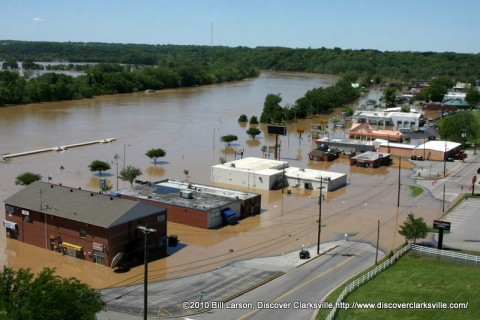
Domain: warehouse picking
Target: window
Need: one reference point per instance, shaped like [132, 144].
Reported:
[83, 233]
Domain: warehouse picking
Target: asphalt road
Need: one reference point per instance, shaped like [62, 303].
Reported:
[294, 295]
[279, 287]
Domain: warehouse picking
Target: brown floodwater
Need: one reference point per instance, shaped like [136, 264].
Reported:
[187, 124]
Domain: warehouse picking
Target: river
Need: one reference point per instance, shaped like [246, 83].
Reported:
[187, 124]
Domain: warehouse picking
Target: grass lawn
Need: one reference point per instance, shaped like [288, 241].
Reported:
[419, 279]
[415, 191]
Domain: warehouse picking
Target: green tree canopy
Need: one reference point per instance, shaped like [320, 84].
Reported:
[413, 228]
[130, 173]
[229, 138]
[473, 97]
[47, 296]
[253, 132]
[100, 166]
[451, 127]
[389, 95]
[26, 178]
[243, 118]
[272, 111]
[253, 120]
[155, 153]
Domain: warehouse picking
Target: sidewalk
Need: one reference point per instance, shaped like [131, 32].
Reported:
[223, 284]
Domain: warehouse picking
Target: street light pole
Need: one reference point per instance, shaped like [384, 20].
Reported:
[145, 231]
[124, 147]
[319, 215]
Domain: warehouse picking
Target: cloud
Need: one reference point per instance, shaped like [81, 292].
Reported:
[37, 20]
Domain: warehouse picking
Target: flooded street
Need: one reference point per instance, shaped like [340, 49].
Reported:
[188, 124]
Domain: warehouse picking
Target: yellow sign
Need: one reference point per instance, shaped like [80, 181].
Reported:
[71, 246]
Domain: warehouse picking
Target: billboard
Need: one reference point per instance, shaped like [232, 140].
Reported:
[278, 130]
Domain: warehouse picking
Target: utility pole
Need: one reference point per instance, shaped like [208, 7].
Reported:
[145, 231]
[399, 167]
[319, 215]
[124, 147]
[378, 238]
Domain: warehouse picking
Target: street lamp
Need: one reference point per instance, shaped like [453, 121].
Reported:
[124, 147]
[116, 156]
[464, 138]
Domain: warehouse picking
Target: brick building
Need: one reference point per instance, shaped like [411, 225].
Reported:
[87, 225]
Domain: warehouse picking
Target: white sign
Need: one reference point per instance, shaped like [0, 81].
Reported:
[9, 225]
[26, 212]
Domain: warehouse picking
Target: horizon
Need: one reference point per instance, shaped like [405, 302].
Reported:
[413, 26]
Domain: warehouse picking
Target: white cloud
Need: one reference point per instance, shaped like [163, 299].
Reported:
[37, 20]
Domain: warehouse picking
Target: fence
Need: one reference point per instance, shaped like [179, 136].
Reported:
[441, 254]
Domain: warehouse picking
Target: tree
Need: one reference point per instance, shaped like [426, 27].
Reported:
[228, 139]
[130, 173]
[389, 94]
[254, 120]
[243, 118]
[155, 153]
[186, 172]
[253, 132]
[451, 127]
[26, 178]
[413, 228]
[473, 97]
[98, 165]
[47, 296]
[264, 151]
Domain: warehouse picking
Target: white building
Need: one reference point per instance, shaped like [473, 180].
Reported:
[270, 174]
[389, 118]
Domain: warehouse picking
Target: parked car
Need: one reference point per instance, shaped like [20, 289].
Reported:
[459, 156]
[420, 158]
[413, 157]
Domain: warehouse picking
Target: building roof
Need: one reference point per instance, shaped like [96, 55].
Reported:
[254, 164]
[171, 195]
[80, 205]
[371, 156]
[438, 145]
[311, 174]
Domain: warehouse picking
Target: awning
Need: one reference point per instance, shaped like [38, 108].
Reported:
[228, 213]
[71, 246]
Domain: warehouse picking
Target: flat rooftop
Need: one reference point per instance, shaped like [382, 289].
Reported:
[170, 194]
[371, 156]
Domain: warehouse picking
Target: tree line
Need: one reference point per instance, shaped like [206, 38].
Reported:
[104, 79]
[370, 64]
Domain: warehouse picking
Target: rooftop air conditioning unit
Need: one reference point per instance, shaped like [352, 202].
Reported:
[186, 194]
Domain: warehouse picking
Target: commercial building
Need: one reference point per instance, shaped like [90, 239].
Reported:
[371, 159]
[267, 174]
[196, 205]
[83, 224]
[431, 150]
[389, 118]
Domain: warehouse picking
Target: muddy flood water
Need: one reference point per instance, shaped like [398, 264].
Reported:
[187, 124]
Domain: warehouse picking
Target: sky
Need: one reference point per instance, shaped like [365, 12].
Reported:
[385, 25]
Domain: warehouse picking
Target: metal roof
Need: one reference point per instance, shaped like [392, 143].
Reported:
[80, 205]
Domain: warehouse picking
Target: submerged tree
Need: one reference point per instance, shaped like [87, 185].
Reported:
[253, 132]
[98, 165]
[155, 153]
[26, 178]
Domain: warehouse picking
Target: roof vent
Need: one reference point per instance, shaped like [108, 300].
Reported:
[51, 186]
[186, 194]
[91, 194]
[71, 190]
[79, 188]
[111, 198]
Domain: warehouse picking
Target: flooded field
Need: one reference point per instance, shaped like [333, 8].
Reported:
[188, 124]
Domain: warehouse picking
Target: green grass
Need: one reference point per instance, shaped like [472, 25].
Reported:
[419, 279]
[415, 191]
